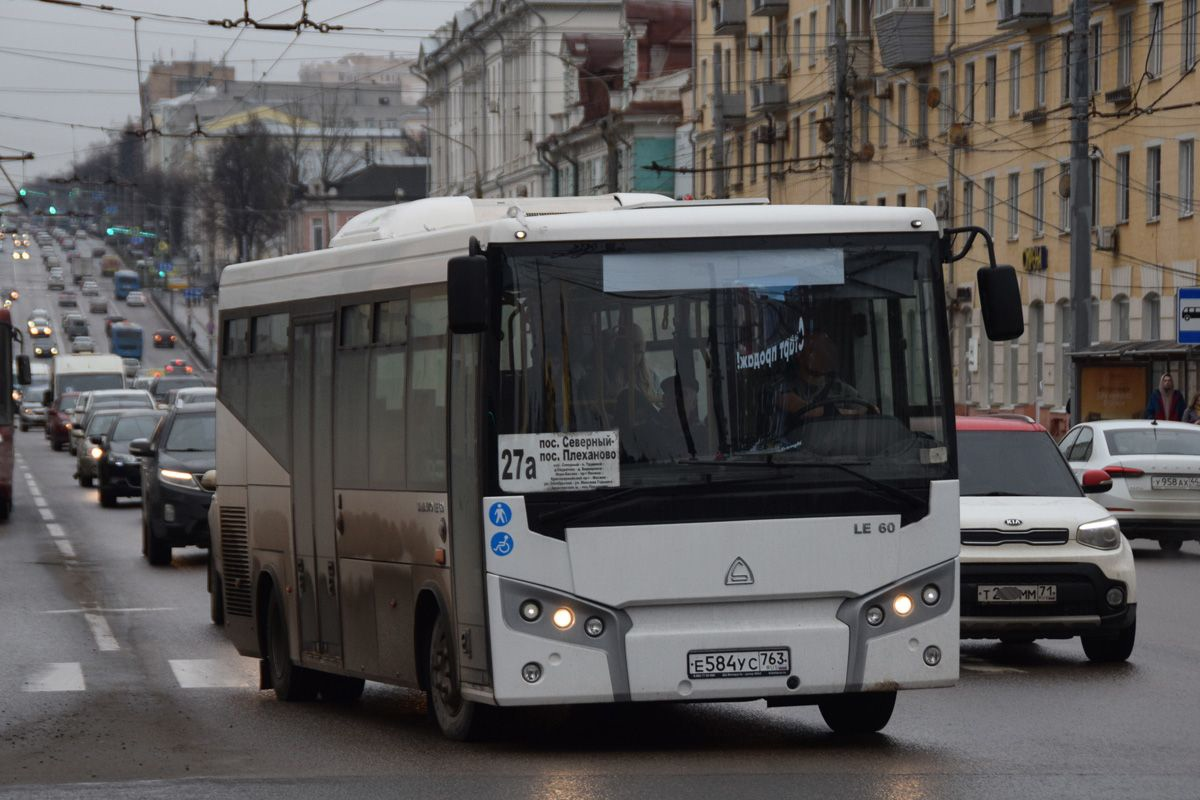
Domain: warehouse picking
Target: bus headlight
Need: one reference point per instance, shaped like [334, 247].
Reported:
[1103, 534]
[902, 605]
[96, 452]
[563, 618]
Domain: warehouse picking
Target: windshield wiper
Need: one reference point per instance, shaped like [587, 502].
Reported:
[880, 487]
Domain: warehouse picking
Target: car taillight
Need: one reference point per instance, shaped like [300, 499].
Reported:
[1124, 472]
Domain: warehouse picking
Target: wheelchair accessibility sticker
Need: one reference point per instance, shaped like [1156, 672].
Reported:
[502, 544]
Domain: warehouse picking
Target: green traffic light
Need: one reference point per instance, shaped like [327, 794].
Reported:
[110, 231]
[162, 274]
[52, 210]
[23, 191]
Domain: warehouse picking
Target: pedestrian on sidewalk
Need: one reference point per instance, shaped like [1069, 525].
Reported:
[1167, 402]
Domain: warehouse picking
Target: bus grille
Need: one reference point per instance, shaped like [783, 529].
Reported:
[235, 560]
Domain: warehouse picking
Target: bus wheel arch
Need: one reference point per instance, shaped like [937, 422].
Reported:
[262, 603]
[427, 610]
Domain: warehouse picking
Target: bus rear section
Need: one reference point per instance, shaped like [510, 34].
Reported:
[596, 459]
[127, 340]
[124, 282]
[12, 372]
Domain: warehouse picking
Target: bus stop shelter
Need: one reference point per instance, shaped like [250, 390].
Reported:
[1118, 377]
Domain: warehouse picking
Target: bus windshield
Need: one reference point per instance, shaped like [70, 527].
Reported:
[738, 360]
[89, 381]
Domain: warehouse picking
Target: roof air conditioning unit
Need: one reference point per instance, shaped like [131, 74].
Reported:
[1107, 239]
[883, 88]
[754, 43]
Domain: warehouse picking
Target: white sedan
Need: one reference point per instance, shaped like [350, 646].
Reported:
[1155, 469]
[135, 299]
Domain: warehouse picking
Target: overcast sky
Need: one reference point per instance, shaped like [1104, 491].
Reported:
[76, 67]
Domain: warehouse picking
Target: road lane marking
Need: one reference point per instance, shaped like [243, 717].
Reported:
[56, 677]
[208, 673]
[34, 491]
[108, 610]
[47, 514]
[65, 548]
[55, 530]
[101, 632]
[39, 501]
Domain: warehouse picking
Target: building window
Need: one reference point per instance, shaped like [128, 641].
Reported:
[922, 198]
[740, 146]
[1013, 368]
[989, 77]
[864, 119]
[1014, 200]
[1154, 59]
[1064, 202]
[989, 371]
[1124, 49]
[1120, 318]
[703, 165]
[968, 202]
[942, 206]
[813, 148]
[969, 92]
[946, 104]
[318, 234]
[812, 38]
[1041, 58]
[1189, 34]
[1039, 201]
[1014, 82]
[1095, 179]
[1095, 47]
[1066, 68]
[1153, 182]
[1122, 187]
[797, 38]
[989, 205]
[1094, 321]
[885, 119]
[1062, 326]
[796, 137]
[1151, 317]
[1187, 176]
[901, 199]
[1035, 329]
[923, 112]
[902, 111]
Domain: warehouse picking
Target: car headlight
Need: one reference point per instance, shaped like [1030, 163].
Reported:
[1103, 534]
[177, 478]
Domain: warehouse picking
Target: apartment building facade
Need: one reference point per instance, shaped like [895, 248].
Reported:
[962, 106]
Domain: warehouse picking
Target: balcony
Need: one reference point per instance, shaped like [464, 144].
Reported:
[858, 62]
[769, 8]
[904, 29]
[729, 16]
[733, 105]
[1023, 14]
[767, 96]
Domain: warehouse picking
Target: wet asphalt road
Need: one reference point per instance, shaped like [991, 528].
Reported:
[154, 702]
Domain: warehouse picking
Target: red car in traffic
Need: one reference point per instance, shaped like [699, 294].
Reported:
[58, 420]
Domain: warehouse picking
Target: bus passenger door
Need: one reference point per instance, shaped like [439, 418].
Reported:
[312, 491]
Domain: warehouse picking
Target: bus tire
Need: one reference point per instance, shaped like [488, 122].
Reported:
[858, 713]
[340, 688]
[458, 718]
[292, 683]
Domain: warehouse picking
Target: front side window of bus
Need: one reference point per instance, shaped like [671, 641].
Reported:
[781, 352]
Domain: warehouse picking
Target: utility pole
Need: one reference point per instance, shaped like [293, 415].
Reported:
[718, 105]
[1080, 199]
[839, 113]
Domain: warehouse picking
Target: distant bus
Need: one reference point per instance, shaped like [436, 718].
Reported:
[124, 282]
[109, 265]
[127, 340]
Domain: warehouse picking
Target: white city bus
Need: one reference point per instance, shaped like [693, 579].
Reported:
[584, 450]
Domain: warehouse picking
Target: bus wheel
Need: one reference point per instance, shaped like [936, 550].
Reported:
[865, 712]
[291, 683]
[459, 718]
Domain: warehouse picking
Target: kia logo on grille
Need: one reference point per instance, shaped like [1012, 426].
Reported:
[1012, 522]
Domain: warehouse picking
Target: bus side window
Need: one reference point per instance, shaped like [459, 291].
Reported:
[386, 399]
[427, 401]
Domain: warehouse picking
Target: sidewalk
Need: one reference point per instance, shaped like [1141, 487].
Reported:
[191, 319]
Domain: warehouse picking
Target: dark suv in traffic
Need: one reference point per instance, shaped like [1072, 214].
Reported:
[174, 504]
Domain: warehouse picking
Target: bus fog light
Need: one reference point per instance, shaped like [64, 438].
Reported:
[594, 626]
[1115, 596]
[930, 595]
[563, 618]
[874, 615]
[531, 610]
[932, 655]
[902, 605]
[532, 672]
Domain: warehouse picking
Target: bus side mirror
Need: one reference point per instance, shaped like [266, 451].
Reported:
[467, 294]
[24, 373]
[1000, 303]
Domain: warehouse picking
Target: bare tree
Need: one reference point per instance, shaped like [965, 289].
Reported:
[335, 153]
[250, 180]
